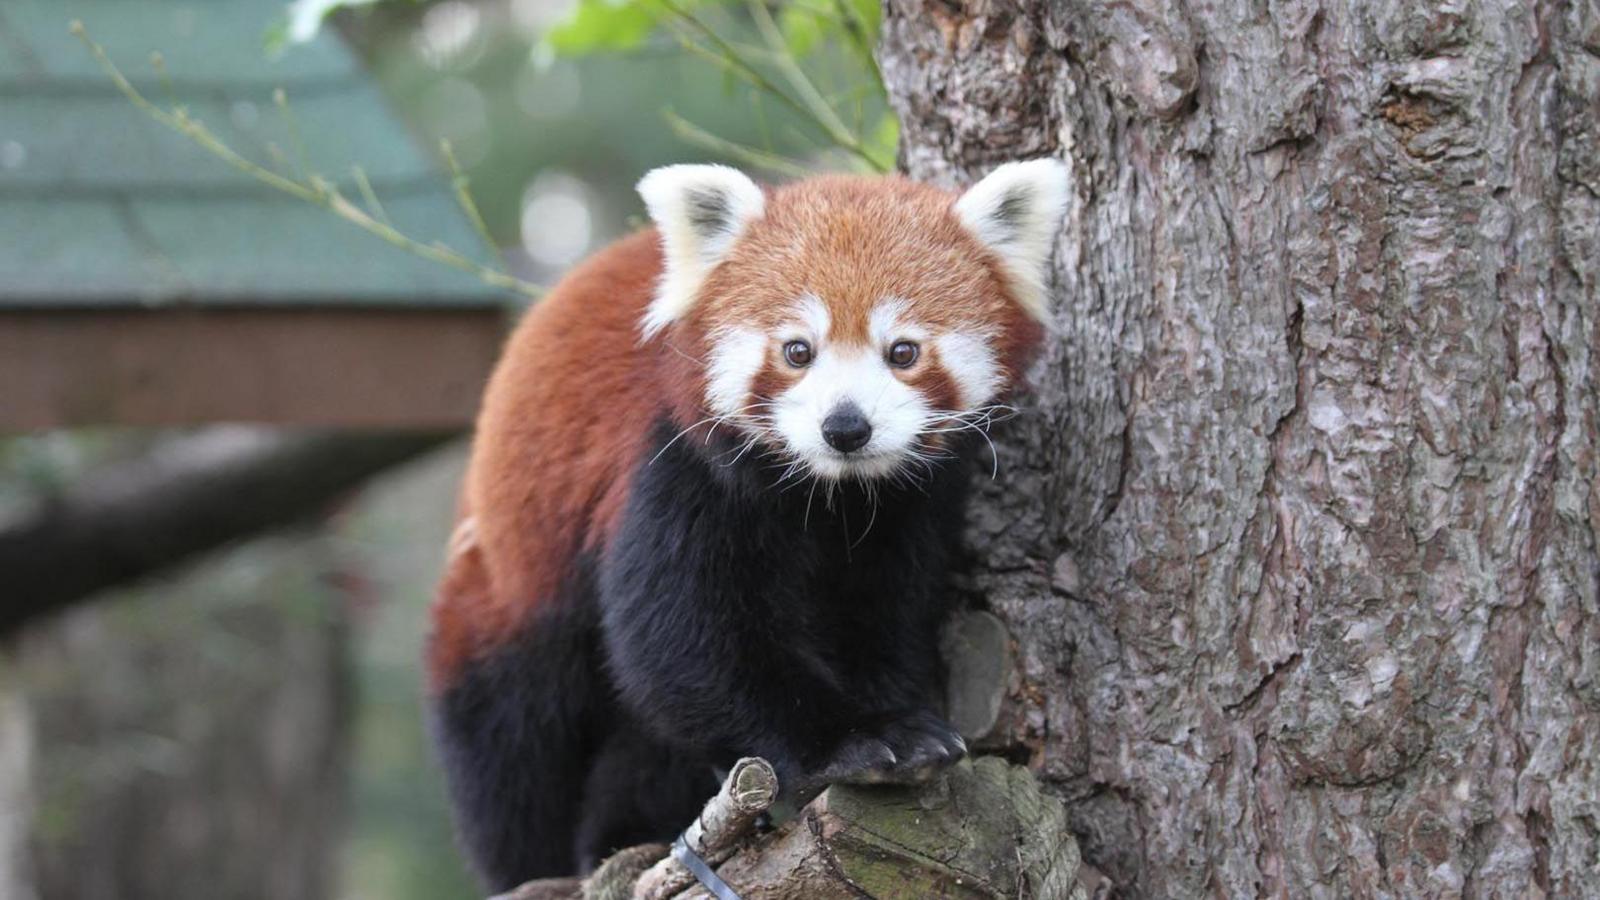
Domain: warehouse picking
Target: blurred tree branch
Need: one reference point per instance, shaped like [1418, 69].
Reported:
[188, 496]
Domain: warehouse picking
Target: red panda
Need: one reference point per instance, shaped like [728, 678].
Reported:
[711, 504]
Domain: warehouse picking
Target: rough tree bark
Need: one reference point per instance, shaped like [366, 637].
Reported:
[1297, 541]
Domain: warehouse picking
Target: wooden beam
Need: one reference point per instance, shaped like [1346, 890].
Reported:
[312, 366]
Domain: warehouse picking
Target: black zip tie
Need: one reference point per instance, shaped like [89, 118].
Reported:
[702, 872]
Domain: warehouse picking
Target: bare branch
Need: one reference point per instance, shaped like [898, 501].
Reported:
[191, 495]
[747, 792]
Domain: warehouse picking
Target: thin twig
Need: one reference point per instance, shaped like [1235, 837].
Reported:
[724, 53]
[461, 184]
[791, 70]
[754, 156]
[280, 99]
[158, 62]
[368, 195]
[861, 39]
[814, 98]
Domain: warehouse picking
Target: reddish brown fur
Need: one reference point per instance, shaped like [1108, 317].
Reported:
[933, 382]
[569, 410]
[852, 242]
[564, 419]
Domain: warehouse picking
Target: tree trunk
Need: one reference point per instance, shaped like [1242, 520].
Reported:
[16, 792]
[1297, 539]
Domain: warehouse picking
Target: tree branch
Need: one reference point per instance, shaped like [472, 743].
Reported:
[748, 791]
[191, 495]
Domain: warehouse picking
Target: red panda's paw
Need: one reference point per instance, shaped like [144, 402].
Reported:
[906, 749]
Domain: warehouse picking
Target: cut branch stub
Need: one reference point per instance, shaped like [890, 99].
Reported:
[747, 792]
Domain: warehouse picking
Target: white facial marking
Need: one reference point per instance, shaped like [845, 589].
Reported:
[858, 376]
[888, 323]
[884, 322]
[971, 363]
[812, 320]
[736, 356]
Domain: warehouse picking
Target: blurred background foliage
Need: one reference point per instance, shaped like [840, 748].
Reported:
[554, 110]
[174, 690]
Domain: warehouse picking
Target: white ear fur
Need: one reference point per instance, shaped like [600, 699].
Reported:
[1016, 211]
[700, 211]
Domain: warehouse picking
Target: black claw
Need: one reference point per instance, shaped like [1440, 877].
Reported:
[904, 750]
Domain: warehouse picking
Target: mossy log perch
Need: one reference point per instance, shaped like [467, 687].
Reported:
[983, 831]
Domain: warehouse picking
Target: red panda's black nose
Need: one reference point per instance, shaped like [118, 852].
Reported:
[846, 429]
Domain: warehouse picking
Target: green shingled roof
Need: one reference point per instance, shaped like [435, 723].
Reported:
[101, 206]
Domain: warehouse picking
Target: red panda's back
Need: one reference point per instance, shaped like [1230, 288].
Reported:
[566, 415]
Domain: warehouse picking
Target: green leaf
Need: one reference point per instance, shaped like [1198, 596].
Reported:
[597, 26]
[276, 38]
[801, 30]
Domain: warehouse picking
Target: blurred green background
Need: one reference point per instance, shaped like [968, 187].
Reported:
[555, 111]
[135, 730]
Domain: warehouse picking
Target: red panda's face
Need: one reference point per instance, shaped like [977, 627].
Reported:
[854, 324]
[854, 402]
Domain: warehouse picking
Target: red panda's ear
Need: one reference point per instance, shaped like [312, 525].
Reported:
[1016, 211]
[700, 211]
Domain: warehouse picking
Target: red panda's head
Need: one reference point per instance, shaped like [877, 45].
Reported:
[851, 323]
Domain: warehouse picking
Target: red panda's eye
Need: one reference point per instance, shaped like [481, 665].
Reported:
[797, 353]
[903, 354]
